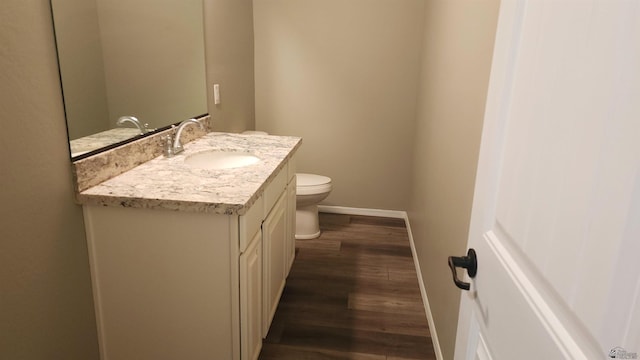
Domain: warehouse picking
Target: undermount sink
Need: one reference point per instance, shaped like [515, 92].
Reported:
[220, 159]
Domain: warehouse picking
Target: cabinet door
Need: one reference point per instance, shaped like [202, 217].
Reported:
[251, 299]
[290, 250]
[273, 244]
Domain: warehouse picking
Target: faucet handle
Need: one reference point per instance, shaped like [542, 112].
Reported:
[146, 128]
[168, 145]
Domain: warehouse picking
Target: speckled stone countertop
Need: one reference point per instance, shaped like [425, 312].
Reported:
[171, 184]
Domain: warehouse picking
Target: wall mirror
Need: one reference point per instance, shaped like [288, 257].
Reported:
[127, 63]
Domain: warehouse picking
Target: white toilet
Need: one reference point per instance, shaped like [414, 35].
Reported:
[310, 190]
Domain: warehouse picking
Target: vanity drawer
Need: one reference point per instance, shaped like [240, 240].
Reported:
[274, 190]
[251, 222]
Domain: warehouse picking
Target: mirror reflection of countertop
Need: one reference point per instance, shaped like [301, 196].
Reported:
[171, 184]
[105, 138]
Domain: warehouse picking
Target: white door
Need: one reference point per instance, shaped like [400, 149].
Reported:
[556, 213]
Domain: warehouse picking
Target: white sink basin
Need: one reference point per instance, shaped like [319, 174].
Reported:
[220, 159]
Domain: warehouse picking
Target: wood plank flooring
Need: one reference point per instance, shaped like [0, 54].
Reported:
[352, 294]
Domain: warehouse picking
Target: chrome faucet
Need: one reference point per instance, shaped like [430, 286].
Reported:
[176, 147]
[132, 119]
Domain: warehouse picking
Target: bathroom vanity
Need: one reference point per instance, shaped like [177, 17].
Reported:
[188, 262]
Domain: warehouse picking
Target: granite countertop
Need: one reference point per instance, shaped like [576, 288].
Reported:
[170, 184]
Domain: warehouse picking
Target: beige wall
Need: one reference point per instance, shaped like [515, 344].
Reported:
[343, 76]
[229, 53]
[46, 307]
[458, 45]
[389, 99]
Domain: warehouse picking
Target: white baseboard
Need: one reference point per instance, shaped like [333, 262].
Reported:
[361, 211]
[423, 291]
[398, 215]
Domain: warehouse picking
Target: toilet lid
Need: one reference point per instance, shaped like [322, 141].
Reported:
[311, 180]
[311, 184]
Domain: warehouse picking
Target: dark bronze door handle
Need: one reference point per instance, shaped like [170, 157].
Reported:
[468, 262]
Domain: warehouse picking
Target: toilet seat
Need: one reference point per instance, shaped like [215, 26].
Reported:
[254, 132]
[311, 184]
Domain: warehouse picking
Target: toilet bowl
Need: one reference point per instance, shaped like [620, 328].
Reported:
[310, 190]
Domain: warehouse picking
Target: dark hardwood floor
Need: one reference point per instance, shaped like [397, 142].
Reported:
[352, 294]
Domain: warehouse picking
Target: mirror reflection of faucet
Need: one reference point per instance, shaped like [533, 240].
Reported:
[132, 119]
[173, 145]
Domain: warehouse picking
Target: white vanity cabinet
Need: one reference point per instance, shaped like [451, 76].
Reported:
[190, 285]
[291, 219]
[251, 299]
[274, 244]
